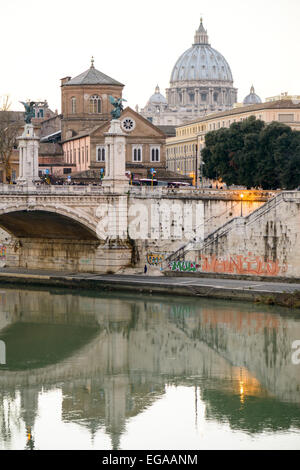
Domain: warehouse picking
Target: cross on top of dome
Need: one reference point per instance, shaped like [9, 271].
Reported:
[201, 36]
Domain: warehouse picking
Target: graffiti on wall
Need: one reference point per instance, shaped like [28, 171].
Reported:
[231, 264]
[240, 264]
[183, 266]
[2, 252]
[155, 258]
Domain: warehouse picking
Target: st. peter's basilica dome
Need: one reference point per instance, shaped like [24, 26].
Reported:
[201, 62]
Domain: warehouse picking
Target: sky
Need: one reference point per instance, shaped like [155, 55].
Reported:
[138, 42]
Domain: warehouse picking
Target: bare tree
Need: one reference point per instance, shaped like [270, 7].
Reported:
[9, 128]
[5, 103]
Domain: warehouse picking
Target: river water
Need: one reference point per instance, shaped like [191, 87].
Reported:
[90, 370]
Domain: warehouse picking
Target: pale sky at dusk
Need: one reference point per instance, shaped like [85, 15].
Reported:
[138, 43]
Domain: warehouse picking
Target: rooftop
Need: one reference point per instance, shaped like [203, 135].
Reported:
[281, 104]
[92, 76]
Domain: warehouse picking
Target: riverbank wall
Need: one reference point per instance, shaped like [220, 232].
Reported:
[285, 294]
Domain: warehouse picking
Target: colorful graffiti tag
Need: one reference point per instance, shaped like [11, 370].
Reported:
[2, 252]
[183, 266]
[155, 258]
[240, 264]
[231, 264]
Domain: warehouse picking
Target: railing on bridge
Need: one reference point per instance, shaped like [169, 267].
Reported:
[250, 195]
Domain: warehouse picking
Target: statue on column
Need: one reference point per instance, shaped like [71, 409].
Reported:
[117, 104]
[29, 111]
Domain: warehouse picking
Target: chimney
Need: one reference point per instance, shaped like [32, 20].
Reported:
[64, 80]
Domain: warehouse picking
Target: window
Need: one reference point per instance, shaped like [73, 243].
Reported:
[74, 155]
[95, 104]
[100, 153]
[71, 161]
[87, 153]
[137, 153]
[203, 96]
[155, 154]
[79, 156]
[192, 97]
[67, 171]
[73, 105]
[285, 117]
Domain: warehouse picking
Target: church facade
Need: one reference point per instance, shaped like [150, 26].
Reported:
[145, 146]
[201, 83]
[86, 116]
[85, 101]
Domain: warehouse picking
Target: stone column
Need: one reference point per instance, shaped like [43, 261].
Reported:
[210, 96]
[115, 164]
[28, 156]
[174, 98]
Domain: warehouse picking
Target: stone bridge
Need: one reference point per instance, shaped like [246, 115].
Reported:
[86, 229]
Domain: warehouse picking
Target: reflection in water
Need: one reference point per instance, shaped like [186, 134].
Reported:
[109, 359]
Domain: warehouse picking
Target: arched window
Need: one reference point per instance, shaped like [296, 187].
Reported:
[137, 153]
[155, 154]
[95, 104]
[73, 105]
[100, 153]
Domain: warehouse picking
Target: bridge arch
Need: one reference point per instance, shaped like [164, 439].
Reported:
[47, 222]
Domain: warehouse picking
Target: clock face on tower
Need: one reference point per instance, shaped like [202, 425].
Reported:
[128, 124]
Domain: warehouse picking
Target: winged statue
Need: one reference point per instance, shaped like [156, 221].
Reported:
[29, 110]
[118, 106]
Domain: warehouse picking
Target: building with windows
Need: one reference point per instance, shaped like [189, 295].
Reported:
[284, 96]
[145, 146]
[85, 101]
[86, 115]
[201, 83]
[183, 152]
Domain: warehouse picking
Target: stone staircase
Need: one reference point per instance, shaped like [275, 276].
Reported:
[238, 224]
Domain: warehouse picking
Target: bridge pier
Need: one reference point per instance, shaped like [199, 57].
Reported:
[67, 255]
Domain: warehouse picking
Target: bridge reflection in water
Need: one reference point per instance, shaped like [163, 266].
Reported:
[113, 356]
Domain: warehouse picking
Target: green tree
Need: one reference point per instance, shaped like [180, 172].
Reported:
[232, 153]
[274, 141]
[254, 154]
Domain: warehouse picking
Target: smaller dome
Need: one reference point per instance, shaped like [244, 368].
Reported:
[157, 98]
[252, 98]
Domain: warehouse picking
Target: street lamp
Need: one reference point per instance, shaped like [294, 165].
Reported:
[196, 166]
[201, 171]
[242, 196]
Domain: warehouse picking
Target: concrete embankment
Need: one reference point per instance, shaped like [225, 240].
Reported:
[287, 294]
